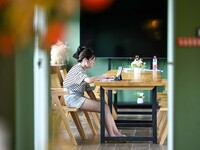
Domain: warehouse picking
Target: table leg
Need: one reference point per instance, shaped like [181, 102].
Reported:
[115, 102]
[154, 114]
[102, 101]
[110, 100]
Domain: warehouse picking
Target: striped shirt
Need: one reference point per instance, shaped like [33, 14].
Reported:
[74, 81]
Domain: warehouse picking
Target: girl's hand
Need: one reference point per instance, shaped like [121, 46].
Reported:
[107, 77]
[110, 77]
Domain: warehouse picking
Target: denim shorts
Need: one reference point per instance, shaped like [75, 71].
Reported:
[74, 99]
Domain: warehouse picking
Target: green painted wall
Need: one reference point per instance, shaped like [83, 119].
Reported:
[24, 114]
[16, 86]
[24, 87]
[187, 80]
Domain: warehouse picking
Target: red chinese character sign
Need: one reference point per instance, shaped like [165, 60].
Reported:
[188, 41]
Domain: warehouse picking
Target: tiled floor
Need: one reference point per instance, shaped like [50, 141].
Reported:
[93, 141]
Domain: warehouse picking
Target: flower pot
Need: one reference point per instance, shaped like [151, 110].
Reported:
[137, 70]
[140, 100]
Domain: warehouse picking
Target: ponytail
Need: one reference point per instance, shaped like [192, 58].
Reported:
[78, 51]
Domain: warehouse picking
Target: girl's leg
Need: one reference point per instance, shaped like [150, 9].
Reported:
[94, 106]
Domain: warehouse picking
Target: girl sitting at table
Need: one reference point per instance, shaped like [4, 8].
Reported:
[77, 81]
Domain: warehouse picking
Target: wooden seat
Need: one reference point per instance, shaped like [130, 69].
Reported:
[63, 73]
[62, 115]
[95, 116]
[55, 83]
[162, 114]
[64, 112]
[162, 127]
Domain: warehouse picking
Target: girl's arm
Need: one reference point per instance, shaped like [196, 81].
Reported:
[93, 79]
[96, 78]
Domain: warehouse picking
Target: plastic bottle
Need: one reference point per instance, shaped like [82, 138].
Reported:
[154, 63]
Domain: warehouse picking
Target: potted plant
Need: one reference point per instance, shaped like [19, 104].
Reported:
[140, 98]
[59, 53]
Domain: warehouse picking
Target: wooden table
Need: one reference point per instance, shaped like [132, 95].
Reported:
[148, 80]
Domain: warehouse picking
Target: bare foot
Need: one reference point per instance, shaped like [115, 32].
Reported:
[119, 134]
